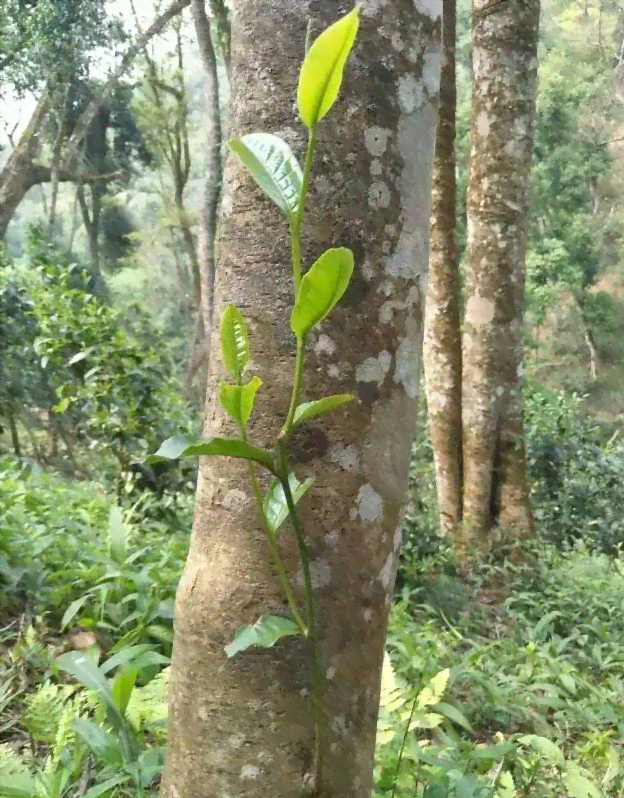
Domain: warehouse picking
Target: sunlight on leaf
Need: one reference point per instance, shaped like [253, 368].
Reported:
[273, 166]
[234, 341]
[265, 633]
[321, 73]
[321, 289]
[434, 690]
[275, 507]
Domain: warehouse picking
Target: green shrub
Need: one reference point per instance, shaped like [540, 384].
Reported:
[576, 485]
[535, 692]
[576, 478]
[77, 558]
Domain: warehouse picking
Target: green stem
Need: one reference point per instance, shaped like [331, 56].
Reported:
[295, 230]
[297, 385]
[277, 560]
[295, 252]
[311, 618]
[403, 744]
[308, 39]
[273, 547]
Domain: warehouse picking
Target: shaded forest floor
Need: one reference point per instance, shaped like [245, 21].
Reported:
[518, 674]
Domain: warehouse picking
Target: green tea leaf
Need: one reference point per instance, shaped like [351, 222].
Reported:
[265, 633]
[181, 446]
[275, 506]
[321, 73]
[238, 400]
[230, 400]
[310, 410]
[273, 166]
[321, 289]
[234, 341]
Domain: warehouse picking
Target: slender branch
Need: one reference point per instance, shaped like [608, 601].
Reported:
[296, 228]
[277, 560]
[56, 157]
[297, 384]
[220, 14]
[318, 681]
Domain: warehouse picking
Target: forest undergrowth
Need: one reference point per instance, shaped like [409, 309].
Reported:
[510, 681]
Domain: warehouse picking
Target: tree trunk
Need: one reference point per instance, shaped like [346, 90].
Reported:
[588, 335]
[593, 353]
[242, 726]
[91, 221]
[19, 173]
[442, 358]
[214, 172]
[503, 113]
[17, 449]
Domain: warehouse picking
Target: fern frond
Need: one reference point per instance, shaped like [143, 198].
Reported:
[148, 704]
[44, 710]
[11, 763]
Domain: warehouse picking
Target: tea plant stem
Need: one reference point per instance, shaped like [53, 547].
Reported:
[316, 669]
[295, 235]
[273, 547]
[295, 250]
[297, 385]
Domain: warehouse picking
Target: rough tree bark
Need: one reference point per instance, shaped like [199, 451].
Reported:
[243, 727]
[503, 112]
[442, 358]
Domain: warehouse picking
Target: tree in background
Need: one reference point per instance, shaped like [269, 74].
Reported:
[442, 355]
[495, 489]
[575, 229]
[164, 118]
[214, 168]
[474, 398]
[369, 191]
[113, 147]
